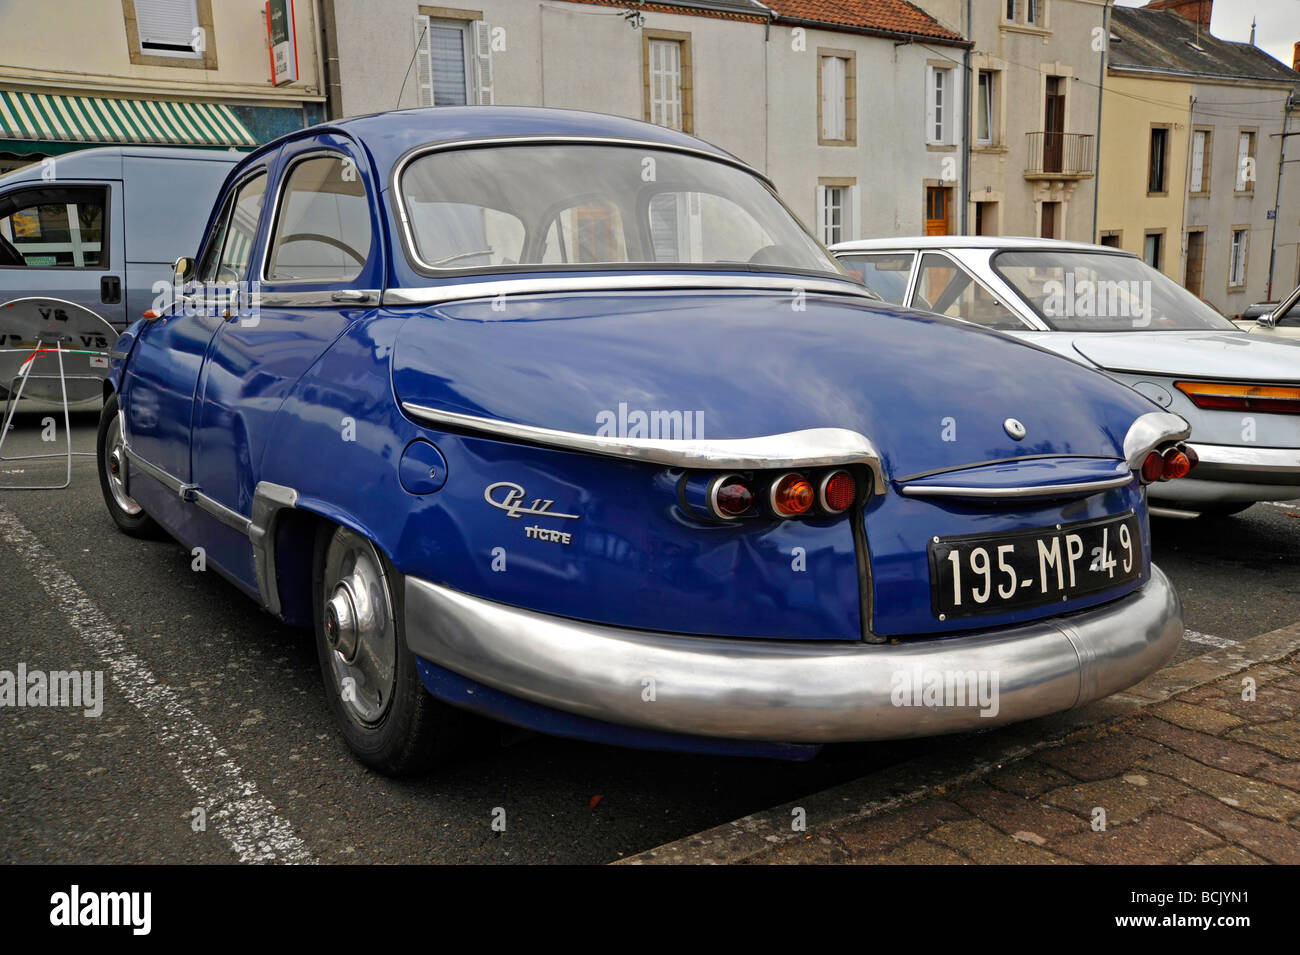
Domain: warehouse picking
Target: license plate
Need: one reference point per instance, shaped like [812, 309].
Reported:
[977, 574]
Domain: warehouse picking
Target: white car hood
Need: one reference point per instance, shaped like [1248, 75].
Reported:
[1223, 355]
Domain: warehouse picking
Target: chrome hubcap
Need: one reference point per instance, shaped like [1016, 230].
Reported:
[359, 627]
[113, 469]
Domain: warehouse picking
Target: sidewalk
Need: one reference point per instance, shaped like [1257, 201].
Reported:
[1179, 769]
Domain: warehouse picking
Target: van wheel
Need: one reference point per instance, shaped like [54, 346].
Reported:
[389, 721]
[110, 453]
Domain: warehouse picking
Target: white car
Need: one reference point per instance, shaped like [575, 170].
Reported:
[1273, 318]
[1104, 307]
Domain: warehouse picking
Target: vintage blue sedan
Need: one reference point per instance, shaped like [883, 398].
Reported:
[565, 419]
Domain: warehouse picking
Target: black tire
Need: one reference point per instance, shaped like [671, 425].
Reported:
[128, 515]
[1225, 510]
[404, 731]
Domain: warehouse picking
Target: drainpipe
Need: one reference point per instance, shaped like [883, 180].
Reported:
[1101, 95]
[964, 187]
[1287, 104]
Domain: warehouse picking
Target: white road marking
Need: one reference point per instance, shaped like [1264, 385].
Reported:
[245, 818]
[1193, 636]
[1292, 506]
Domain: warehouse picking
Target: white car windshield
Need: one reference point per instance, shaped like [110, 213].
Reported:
[566, 205]
[1104, 292]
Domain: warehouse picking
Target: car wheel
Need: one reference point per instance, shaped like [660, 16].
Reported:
[389, 721]
[1225, 510]
[110, 453]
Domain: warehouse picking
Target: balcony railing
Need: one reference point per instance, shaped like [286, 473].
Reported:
[1063, 155]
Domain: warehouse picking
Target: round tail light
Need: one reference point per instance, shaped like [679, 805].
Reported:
[792, 495]
[1176, 464]
[731, 497]
[1192, 456]
[1153, 468]
[838, 491]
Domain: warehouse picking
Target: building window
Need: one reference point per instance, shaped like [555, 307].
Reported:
[1110, 239]
[1153, 249]
[837, 206]
[1246, 161]
[1158, 160]
[1011, 10]
[170, 33]
[667, 75]
[836, 106]
[1237, 258]
[984, 101]
[940, 100]
[453, 61]
[1032, 12]
[1199, 183]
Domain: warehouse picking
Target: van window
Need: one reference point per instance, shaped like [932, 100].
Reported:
[227, 255]
[55, 227]
[322, 231]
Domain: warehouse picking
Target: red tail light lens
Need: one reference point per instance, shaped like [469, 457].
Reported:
[792, 495]
[731, 497]
[838, 491]
[1153, 468]
[1191, 455]
[1176, 464]
[1270, 399]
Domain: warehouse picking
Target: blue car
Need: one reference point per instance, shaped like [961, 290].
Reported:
[566, 420]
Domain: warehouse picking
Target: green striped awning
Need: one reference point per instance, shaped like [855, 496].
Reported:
[46, 117]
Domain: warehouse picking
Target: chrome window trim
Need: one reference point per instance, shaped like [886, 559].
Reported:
[247, 176]
[317, 299]
[1026, 491]
[815, 447]
[435, 294]
[1150, 431]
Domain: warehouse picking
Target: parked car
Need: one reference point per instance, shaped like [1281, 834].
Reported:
[564, 419]
[1108, 309]
[98, 228]
[1273, 318]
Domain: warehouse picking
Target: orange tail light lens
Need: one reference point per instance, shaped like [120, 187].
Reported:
[792, 495]
[1176, 465]
[1267, 399]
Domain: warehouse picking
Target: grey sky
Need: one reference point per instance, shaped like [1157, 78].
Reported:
[1277, 29]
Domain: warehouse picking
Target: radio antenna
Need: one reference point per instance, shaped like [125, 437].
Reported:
[416, 53]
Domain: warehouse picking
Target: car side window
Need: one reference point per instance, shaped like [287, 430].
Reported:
[885, 274]
[53, 228]
[322, 229]
[943, 287]
[228, 254]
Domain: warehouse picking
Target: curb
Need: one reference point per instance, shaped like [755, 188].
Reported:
[971, 757]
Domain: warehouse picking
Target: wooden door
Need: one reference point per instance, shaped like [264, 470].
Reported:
[1053, 126]
[936, 210]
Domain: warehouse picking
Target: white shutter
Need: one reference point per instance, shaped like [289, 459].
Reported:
[170, 22]
[423, 62]
[850, 216]
[1243, 153]
[833, 96]
[1198, 162]
[483, 62]
[821, 212]
[929, 104]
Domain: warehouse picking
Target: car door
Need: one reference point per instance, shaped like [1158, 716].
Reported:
[320, 269]
[165, 364]
[61, 239]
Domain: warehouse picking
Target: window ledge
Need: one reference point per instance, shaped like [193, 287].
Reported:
[1025, 28]
[992, 149]
[940, 148]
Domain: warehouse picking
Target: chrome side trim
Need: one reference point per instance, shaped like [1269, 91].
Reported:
[317, 299]
[228, 516]
[1039, 490]
[787, 690]
[667, 281]
[1268, 465]
[1150, 431]
[815, 447]
[268, 500]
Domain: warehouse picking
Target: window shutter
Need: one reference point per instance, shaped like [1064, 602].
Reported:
[166, 22]
[929, 104]
[1243, 153]
[423, 61]
[850, 215]
[1198, 161]
[483, 62]
[821, 212]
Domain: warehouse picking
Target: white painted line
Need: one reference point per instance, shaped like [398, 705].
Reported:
[245, 818]
[1292, 506]
[1193, 636]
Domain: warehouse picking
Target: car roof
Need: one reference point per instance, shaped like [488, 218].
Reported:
[105, 162]
[970, 242]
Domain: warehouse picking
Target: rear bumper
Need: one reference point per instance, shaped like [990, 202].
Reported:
[795, 691]
[1233, 473]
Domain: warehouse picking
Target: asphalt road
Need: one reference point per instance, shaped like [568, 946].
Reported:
[208, 701]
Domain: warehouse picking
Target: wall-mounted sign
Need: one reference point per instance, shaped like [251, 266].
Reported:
[284, 41]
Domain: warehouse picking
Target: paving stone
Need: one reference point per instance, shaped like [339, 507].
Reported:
[918, 852]
[880, 833]
[1100, 758]
[1204, 748]
[1270, 703]
[1274, 841]
[1256, 796]
[1012, 814]
[1284, 774]
[1125, 798]
[1227, 855]
[1029, 778]
[1204, 719]
[1282, 737]
[1157, 839]
[815, 850]
[989, 846]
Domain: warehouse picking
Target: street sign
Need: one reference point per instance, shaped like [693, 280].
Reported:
[1272, 213]
[283, 38]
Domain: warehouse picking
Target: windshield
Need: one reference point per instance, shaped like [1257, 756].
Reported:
[1104, 292]
[598, 205]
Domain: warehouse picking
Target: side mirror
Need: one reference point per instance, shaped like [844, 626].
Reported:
[182, 271]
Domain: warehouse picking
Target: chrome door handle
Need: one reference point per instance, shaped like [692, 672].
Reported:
[349, 295]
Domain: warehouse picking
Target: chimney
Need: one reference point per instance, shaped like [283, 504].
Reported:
[1198, 11]
[1295, 58]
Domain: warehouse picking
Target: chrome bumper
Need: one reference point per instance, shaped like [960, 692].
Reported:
[1223, 462]
[790, 691]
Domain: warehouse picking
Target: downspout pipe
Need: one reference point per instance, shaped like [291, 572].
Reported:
[1101, 96]
[964, 185]
[1287, 106]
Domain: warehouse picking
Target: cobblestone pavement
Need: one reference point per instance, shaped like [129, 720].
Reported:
[1208, 776]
